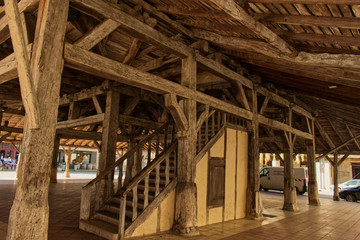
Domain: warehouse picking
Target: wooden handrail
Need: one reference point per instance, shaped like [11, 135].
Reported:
[140, 176]
[127, 155]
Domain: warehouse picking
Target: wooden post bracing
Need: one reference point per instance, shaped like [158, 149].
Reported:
[185, 221]
[29, 216]
[313, 194]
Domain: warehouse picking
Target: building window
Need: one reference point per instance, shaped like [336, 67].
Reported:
[216, 182]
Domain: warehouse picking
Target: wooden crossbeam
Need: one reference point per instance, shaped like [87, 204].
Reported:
[81, 122]
[100, 66]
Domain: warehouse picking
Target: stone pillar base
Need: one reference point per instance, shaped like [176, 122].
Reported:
[256, 211]
[185, 222]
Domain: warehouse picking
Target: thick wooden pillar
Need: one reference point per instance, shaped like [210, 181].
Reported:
[29, 216]
[290, 198]
[313, 194]
[336, 178]
[53, 176]
[186, 191]
[254, 207]
[109, 139]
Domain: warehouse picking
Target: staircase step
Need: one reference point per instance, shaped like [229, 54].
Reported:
[112, 207]
[106, 216]
[142, 196]
[100, 228]
[163, 174]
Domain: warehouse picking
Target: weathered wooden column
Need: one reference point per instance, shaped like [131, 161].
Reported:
[109, 139]
[53, 176]
[336, 178]
[29, 216]
[254, 207]
[186, 191]
[313, 194]
[290, 198]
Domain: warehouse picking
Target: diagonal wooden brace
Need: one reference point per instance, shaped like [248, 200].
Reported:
[28, 92]
[176, 111]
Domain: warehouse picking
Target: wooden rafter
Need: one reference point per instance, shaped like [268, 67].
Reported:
[338, 147]
[238, 13]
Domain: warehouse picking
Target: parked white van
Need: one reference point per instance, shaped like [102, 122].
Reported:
[273, 178]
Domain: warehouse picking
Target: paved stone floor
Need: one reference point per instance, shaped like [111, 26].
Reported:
[332, 220]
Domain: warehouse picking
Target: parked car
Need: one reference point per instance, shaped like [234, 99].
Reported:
[273, 178]
[347, 184]
[350, 194]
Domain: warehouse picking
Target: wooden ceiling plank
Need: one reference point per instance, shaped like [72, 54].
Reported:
[338, 147]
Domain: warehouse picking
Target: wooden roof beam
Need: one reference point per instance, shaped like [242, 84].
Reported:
[350, 2]
[97, 65]
[321, 59]
[301, 20]
[338, 147]
[324, 134]
[238, 13]
[352, 135]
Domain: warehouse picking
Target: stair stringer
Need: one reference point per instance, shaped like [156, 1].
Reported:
[209, 145]
[150, 208]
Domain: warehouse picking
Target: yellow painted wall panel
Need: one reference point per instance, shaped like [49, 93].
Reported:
[215, 215]
[201, 180]
[167, 212]
[148, 227]
[230, 167]
[242, 172]
[218, 149]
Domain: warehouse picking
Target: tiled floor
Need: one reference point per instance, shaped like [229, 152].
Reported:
[332, 220]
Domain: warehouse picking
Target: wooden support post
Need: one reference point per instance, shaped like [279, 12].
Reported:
[336, 178]
[53, 176]
[290, 198]
[29, 216]
[254, 207]
[313, 194]
[108, 143]
[186, 202]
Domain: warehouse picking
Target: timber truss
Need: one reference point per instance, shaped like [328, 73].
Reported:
[86, 54]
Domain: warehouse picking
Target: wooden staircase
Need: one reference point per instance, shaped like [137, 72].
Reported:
[133, 201]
